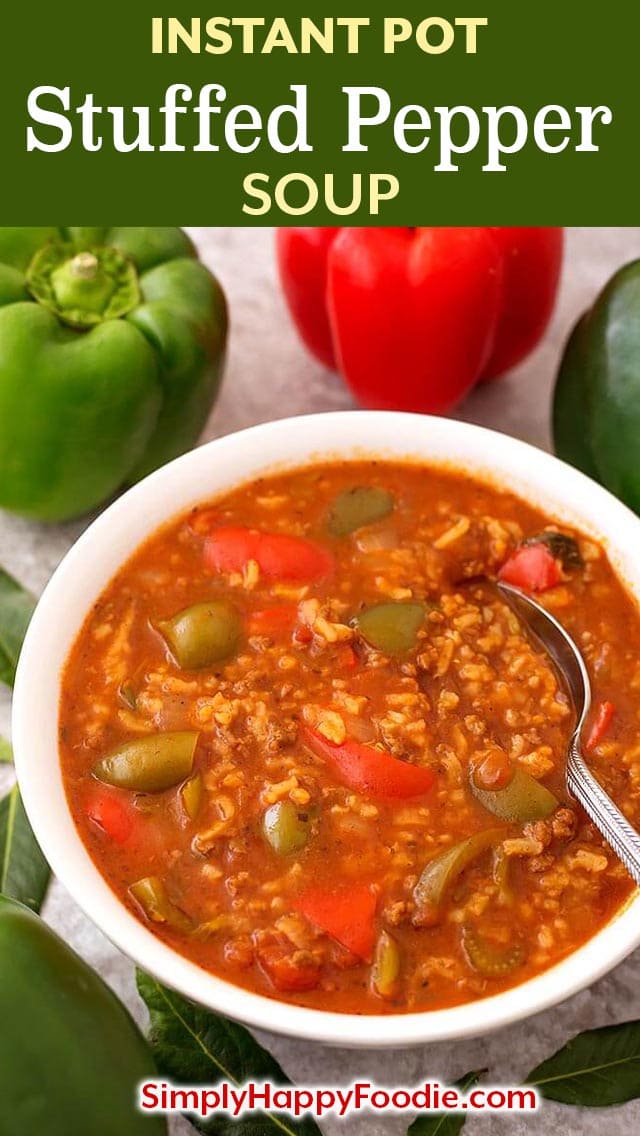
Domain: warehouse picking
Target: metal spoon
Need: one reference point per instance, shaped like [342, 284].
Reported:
[581, 783]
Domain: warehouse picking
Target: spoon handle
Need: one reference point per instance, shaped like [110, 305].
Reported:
[606, 816]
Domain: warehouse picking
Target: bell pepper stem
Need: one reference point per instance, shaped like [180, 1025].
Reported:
[85, 265]
[83, 288]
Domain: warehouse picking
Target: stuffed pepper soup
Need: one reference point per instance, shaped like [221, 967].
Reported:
[309, 745]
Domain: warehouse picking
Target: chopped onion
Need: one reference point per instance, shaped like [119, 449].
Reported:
[376, 540]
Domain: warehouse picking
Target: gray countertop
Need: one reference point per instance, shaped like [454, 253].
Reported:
[270, 375]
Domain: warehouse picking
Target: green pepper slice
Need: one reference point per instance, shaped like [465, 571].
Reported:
[358, 507]
[444, 869]
[284, 828]
[386, 966]
[502, 876]
[487, 960]
[128, 696]
[150, 764]
[202, 635]
[391, 627]
[523, 799]
[191, 795]
[151, 895]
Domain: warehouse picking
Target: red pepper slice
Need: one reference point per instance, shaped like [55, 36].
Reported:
[531, 568]
[600, 725]
[114, 816]
[277, 555]
[370, 770]
[346, 914]
[272, 620]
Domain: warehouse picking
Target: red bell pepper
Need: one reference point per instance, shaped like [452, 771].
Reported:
[370, 770]
[303, 254]
[345, 913]
[276, 554]
[532, 568]
[532, 260]
[413, 318]
[112, 814]
[600, 725]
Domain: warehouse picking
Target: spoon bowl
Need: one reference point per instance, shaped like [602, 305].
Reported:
[583, 786]
[504, 462]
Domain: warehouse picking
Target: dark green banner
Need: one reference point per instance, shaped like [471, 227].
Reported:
[517, 113]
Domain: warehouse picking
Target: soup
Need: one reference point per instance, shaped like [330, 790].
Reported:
[307, 742]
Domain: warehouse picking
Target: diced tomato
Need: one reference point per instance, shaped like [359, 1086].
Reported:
[302, 635]
[494, 771]
[600, 725]
[113, 815]
[289, 969]
[277, 555]
[370, 770]
[346, 914]
[272, 620]
[531, 568]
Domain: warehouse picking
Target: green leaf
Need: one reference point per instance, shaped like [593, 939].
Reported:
[16, 609]
[597, 1068]
[446, 1123]
[194, 1046]
[24, 872]
[6, 752]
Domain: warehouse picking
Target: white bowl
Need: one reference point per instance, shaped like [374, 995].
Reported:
[205, 473]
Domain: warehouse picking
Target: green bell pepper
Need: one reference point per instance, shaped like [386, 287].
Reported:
[111, 350]
[488, 959]
[71, 1058]
[150, 763]
[442, 871]
[521, 800]
[285, 829]
[596, 411]
[392, 627]
[357, 507]
[386, 966]
[202, 635]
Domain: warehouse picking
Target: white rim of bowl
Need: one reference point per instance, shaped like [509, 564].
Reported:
[343, 435]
